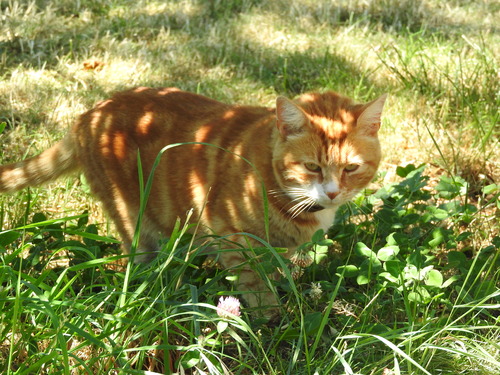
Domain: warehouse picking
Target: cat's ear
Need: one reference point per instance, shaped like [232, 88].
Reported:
[291, 118]
[369, 120]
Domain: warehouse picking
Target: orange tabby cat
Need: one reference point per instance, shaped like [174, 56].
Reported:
[311, 155]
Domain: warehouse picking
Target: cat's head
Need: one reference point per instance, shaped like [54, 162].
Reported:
[327, 149]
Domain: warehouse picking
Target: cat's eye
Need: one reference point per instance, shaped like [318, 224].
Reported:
[312, 167]
[351, 167]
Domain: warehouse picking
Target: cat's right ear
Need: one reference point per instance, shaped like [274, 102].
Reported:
[291, 119]
[369, 120]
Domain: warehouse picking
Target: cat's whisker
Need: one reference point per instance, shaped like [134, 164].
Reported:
[299, 200]
[296, 190]
[277, 193]
[290, 210]
[300, 207]
[298, 197]
[287, 191]
[298, 211]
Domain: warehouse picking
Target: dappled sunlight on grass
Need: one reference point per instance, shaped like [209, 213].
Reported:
[409, 284]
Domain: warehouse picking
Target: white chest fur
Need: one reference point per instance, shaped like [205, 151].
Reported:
[325, 218]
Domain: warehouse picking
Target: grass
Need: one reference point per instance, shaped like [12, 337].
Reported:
[408, 282]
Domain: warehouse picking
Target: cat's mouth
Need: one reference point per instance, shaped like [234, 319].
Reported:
[315, 208]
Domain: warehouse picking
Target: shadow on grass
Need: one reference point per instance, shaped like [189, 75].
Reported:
[208, 34]
[70, 37]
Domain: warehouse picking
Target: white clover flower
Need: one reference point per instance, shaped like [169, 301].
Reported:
[296, 272]
[316, 291]
[301, 259]
[227, 306]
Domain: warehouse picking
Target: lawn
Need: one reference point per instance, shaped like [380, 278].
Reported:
[407, 281]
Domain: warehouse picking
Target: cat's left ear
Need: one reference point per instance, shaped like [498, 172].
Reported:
[369, 120]
[291, 119]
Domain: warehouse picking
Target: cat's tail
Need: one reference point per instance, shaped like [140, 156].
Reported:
[58, 160]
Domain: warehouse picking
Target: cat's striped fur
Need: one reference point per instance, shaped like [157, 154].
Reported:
[311, 155]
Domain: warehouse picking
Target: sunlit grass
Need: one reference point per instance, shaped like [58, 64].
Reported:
[66, 309]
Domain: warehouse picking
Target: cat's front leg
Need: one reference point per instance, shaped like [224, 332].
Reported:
[256, 292]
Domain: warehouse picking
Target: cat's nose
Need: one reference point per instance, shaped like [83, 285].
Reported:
[332, 194]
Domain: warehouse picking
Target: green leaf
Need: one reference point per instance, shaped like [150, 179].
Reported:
[83, 221]
[2, 126]
[318, 236]
[434, 278]
[319, 253]
[362, 279]
[411, 272]
[372, 265]
[6, 238]
[325, 242]
[394, 267]
[312, 322]
[437, 238]
[491, 189]
[349, 270]
[364, 251]
[450, 281]
[92, 230]
[463, 236]
[389, 277]
[391, 240]
[437, 213]
[457, 259]
[39, 217]
[388, 253]
[421, 295]
[414, 297]
[267, 267]
[411, 218]
[496, 241]
[190, 359]
[378, 329]
[222, 326]
[414, 181]
[404, 171]
[450, 187]
[37, 365]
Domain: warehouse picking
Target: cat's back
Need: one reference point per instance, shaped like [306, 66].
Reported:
[167, 100]
[150, 118]
[152, 112]
[143, 104]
